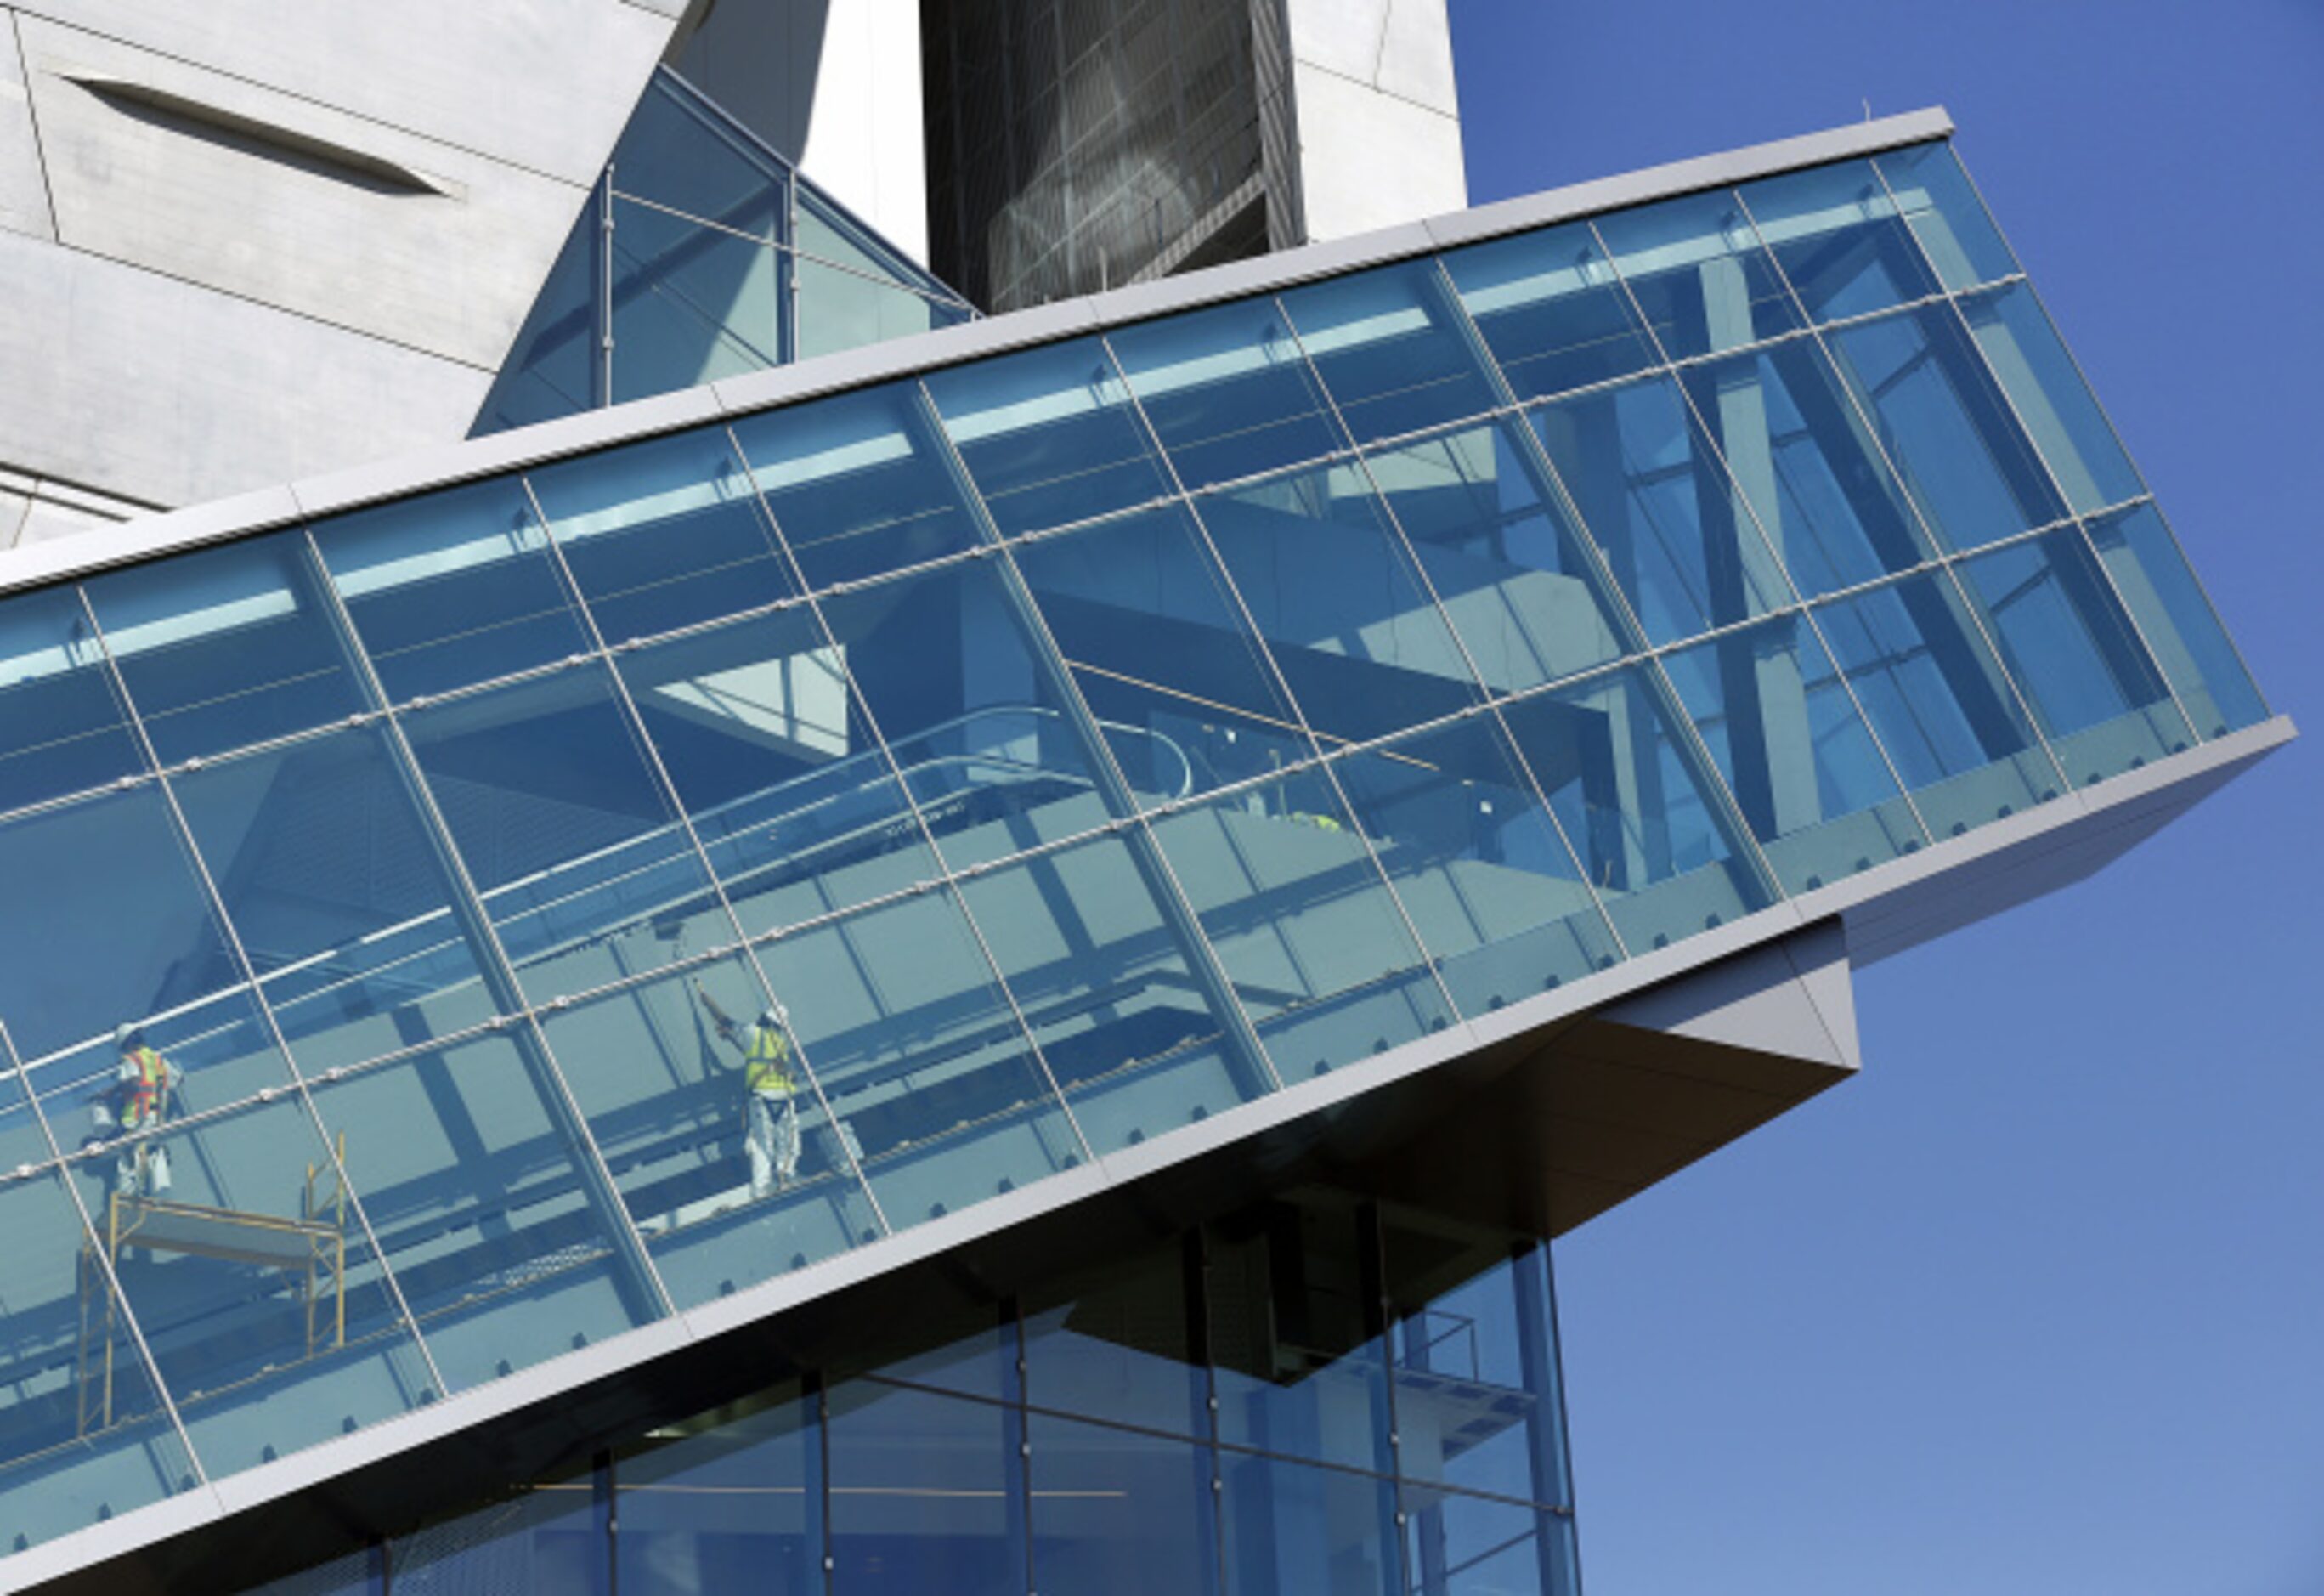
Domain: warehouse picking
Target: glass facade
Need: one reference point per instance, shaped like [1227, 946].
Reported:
[1316, 1395]
[703, 253]
[1002, 769]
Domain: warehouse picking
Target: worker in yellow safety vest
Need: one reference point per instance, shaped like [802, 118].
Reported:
[770, 1084]
[136, 1105]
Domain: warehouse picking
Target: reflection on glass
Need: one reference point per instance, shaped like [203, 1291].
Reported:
[552, 369]
[2177, 620]
[841, 309]
[1120, 1514]
[554, 1532]
[679, 151]
[924, 1496]
[2093, 686]
[1806, 772]
[2055, 404]
[226, 646]
[21, 1141]
[1294, 1527]
[732, 1505]
[1391, 349]
[691, 303]
[1652, 491]
[1698, 272]
[1551, 310]
[1946, 214]
[1227, 392]
[1464, 1545]
[1502, 552]
[1117, 1342]
[62, 728]
[1840, 240]
[1653, 831]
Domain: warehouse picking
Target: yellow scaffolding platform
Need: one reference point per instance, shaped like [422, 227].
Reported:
[313, 1248]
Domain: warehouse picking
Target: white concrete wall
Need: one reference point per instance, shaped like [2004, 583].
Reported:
[1379, 118]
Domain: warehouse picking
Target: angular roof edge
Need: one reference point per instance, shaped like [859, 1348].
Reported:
[266, 509]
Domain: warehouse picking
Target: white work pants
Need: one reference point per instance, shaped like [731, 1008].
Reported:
[145, 1169]
[771, 1136]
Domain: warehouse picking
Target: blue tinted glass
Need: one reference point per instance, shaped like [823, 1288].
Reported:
[826, 231]
[1699, 273]
[1109, 987]
[926, 1494]
[1946, 215]
[2051, 397]
[1120, 1514]
[1151, 632]
[1048, 435]
[1550, 310]
[226, 646]
[775, 765]
[1653, 830]
[737, 1506]
[1946, 425]
[549, 369]
[1502, 552]
[691, 303]
[1809, 465]
[1391, 349]
[705, 1110]
[21, 1140]
[61, 725]
[553, 1532]
[857, 483]
[1292, 1526]
[1840, 240]
[1465, 1545]
[679, 152]
[1227, 392]
[2064, 637]
[1499, 902]
[1805, 770]
[583, 870]
[1116, 1341]
[341, 896]
[1334, 592]
[975, 717]
[455, 587]
[1652, 491]
[846, 309]
[268, 1315]
[930, 1078]
[1939, 702]
[82, 1429]
[487, 1204]
[663, 534]
[2177, 620]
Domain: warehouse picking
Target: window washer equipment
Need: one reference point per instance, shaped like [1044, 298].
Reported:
[770, 1123]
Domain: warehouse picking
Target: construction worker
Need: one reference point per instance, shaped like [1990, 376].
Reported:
[770, 1086]
[134, 1106]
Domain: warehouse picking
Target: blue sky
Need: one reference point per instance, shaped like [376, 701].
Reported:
[2037, 1302]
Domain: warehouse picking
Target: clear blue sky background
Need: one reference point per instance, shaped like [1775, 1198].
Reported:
[2036, 1304]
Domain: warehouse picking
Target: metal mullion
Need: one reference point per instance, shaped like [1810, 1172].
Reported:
[1944, 557]
[1486, 703]
[495, 965]
[863, 706]
[225, 927]
[601, 285]
[669, 790]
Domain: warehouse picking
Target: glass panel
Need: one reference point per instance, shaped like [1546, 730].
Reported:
[773, 762]
[1938, 699]
[226, 646]
[975, 717]
[1652, 490]
[339, 894]
[2177, 620]
[23, 1143]
[1120, 1514]
[585, 872]
[1840, 240]
[486, 1203]
[1296, 1349]
[733, 1505]
[2064, 636]
[1149, 629]
[663, 534]
[1333, 591]
[452, 588]
[541, 1537]
[62, 728]
[83, 1433]
[1116, 1341]
[1550, 310]
[926, 1067]
[2051, 399]
[354, 1575]
[1809, 465]
[1321, 1532]
[549, 371]
[1502, 553]
[841, 309]
[691, 303]
[925, 1494]
[857, 483]
[1946, 214]
[269, 1316]
[706, 1112]
[1699, 273]
[1390, 349]
[1946, 426]
[1806, 774]
[1287, 892]
[1227, 392]
[1048, 435]
[1655, 836]
[825, 230]
[1500, 901]
[1108, 989]
[1463, 1546]
[676, 153]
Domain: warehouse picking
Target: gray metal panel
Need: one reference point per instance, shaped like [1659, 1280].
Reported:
[23, 192]
[1756, 1000]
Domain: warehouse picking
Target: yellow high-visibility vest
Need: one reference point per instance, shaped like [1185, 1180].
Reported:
[766, 1069]
[145, 1097]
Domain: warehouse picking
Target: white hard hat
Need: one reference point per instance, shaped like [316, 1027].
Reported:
[121, 1033]
[772, 1018]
